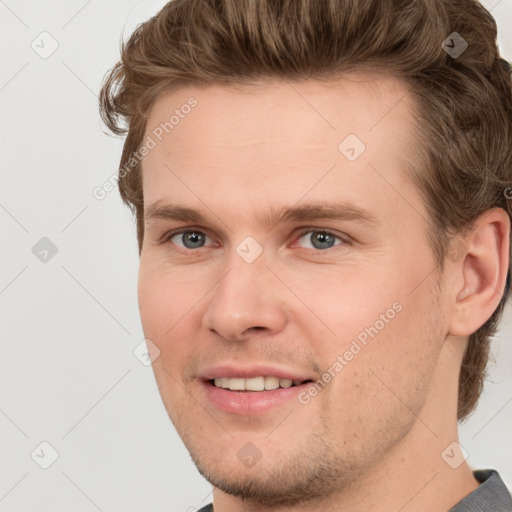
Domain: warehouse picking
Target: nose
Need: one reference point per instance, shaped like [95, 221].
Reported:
[246, 301]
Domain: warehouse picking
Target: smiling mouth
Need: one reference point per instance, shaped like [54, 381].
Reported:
[255, 384]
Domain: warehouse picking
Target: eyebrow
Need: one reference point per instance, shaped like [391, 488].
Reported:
[305, 212]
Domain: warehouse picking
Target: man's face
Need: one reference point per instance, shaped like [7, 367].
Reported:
[263, 284]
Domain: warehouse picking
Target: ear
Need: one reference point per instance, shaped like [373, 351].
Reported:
[480, 266]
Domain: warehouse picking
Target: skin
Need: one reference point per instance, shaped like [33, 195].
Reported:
[372, 439]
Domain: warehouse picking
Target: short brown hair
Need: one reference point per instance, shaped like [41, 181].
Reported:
[464, 102]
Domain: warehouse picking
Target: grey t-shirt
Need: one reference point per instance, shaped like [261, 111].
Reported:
[490, 496]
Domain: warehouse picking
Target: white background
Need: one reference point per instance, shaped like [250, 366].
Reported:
[69, 326]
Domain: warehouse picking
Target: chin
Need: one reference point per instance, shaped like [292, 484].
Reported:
[280, 477]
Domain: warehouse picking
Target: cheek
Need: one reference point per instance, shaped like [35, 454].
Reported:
[383, 384]
[165, 296]
[349, 302]
[383, 326]
[155, 304]
[166, 305]
[398, 359]
[166, 308]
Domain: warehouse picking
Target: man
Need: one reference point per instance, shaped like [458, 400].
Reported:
[323, 224]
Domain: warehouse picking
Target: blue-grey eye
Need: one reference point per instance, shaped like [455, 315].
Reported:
[190, 239]
[320, 239]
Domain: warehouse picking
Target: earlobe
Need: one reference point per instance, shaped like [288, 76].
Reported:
[480, 276]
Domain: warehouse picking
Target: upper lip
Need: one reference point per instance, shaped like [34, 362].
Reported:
[253, 370]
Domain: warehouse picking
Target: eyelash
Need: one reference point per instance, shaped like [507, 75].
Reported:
[344, 241]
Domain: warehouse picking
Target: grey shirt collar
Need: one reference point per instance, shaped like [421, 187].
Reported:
[490, 496]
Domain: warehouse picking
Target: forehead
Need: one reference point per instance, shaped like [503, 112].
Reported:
[358, 101]
[277, 136]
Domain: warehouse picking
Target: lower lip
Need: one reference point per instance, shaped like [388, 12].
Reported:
[249, 403]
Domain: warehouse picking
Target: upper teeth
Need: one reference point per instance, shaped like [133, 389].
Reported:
[254, 383]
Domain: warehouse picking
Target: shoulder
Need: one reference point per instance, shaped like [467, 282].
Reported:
[491, 495]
